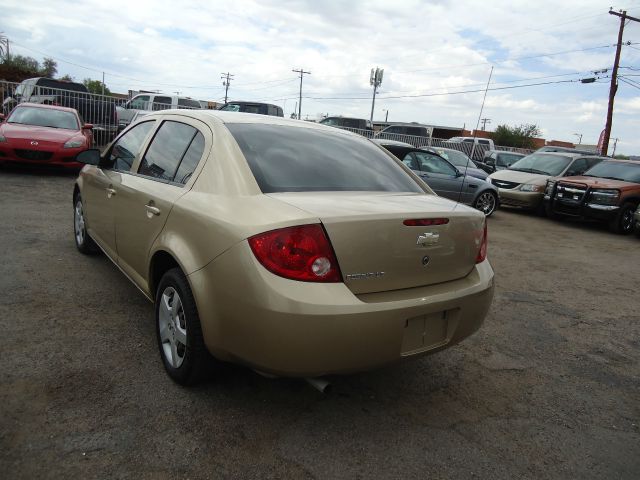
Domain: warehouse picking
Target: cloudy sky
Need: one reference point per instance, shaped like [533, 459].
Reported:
[430, 50]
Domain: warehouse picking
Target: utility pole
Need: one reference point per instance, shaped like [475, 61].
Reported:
[226, 81]
[375, 80]
[103, 84]
[579, 135]
[484, 123]
[615, 144]
[302, 73]
[614, 77]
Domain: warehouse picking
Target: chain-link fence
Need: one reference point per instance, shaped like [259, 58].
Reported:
[421, 142]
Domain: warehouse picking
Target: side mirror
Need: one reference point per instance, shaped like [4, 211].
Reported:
[87, 126]
[459, 173]
[89, 157]
[2, 117]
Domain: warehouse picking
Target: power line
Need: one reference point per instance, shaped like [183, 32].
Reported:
[629, 83]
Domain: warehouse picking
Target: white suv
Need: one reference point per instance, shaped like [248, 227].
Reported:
[151, 102]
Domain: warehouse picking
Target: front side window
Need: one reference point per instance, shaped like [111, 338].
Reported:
[141, 102]
[298, 159]
[578, 167]
[433, 164]
[167, 148]
[44, 117]
[506, 159]
[128, 146]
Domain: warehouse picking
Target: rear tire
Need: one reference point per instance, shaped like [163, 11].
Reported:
[182, 349]
[622, 224]
[487, 202]
[84, 242]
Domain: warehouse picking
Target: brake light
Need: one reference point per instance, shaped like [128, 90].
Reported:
[299, 253]
[425, 222]
[482, 253]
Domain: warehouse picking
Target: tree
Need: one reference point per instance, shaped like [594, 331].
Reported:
[95, 86]
[67, 78]
[18, 68]
[520, 136]
[4, 46]
[49, 68]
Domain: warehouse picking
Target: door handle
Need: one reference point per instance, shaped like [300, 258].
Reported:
[151, 210]
[110, 192]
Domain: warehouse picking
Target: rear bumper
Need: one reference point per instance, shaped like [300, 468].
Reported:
[291, 328]
[61, 158]
[516, 198]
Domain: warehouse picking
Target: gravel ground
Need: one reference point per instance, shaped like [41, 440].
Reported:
[548, 388]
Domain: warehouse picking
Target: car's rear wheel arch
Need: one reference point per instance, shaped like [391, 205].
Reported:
[161, 262]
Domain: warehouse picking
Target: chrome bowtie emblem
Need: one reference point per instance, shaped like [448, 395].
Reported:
[34, 143]
[428, 238]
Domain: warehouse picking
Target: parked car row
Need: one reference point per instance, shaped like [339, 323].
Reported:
[573, 185]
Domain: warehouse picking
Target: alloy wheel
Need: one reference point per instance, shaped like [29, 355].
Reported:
[486, 203]
[172, 327]
[78, 222]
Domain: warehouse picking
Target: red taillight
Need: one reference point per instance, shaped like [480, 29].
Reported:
[482, 253]
[425, 222]
[298, 253]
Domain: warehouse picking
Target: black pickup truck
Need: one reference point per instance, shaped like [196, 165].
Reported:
[95, 109]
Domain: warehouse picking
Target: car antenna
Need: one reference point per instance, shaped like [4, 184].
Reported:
[475, 132]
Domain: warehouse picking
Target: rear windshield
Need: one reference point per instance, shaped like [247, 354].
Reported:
[628, 172]
[295, 159]
[543, 164]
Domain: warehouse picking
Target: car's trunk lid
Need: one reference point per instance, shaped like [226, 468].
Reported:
[377, 252]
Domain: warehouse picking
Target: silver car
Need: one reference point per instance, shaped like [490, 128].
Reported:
[445, 178]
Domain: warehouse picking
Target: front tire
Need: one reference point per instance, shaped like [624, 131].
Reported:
[486, 202]
[182, 349]
[622, 224]
[84, 242]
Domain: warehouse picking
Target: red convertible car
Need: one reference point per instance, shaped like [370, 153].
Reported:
[43, 134]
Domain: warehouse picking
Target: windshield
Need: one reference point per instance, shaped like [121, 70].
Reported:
[543, 164]
[506, 159]
[44, 117]
[628, 172]
[295, 159]
[459, 159]
[230, 107]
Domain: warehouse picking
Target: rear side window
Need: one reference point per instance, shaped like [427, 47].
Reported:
[415, 131]
[166, 151]
[190, 159]
[297, 159]
[188, 103]
[161, 103]
[127, 147]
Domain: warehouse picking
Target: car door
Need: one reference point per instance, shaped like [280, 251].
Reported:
[148, 195]
[101, 187]
[440, 175]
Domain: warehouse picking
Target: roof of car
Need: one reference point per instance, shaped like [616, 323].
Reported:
[49, 107]
[225, 117]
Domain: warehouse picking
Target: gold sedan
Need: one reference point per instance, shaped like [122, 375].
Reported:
[293, 248]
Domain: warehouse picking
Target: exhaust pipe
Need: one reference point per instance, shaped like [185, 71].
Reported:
[319, 384]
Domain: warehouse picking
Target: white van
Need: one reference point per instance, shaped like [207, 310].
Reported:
[151, 102]
[466, 144]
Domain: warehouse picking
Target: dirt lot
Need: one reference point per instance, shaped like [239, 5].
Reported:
[549, 387]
